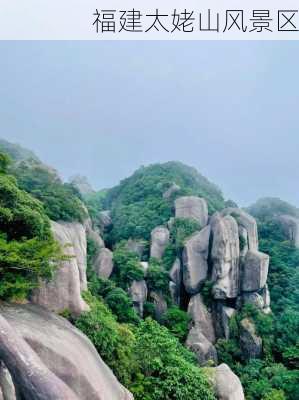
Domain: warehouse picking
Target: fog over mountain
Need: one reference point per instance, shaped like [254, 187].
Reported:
[103, 109]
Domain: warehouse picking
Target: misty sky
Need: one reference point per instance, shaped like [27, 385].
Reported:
[102, 109]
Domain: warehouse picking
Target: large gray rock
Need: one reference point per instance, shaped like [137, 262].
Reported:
[175, 275]
[136, 246]
[265, 293]
[6, 384]
[192, 207]
[227, 385]
[138, 294]
[64, 290]
[225, 256]
[290, 226]
[195, 264]
[103, 264]
[49, 359]
[254, 299]
[247, 222]
[105, 220]
[159, 304]
[255, 271]
[174, 291]
[159, 241]
[201, 346]
[222, 316]
[201, 317]
[250, 342]
[175, 272]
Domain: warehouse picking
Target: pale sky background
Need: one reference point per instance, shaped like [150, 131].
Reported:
[102, 109]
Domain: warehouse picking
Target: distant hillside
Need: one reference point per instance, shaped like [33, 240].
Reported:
[269, 207]
[17, 152]
[144, 200]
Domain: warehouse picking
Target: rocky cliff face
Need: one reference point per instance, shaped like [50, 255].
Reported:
[63, 292]
[49, 359]
[225, 253]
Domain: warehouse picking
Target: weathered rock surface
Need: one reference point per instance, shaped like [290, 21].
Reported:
[195, 264]
[103, 264]
[266, 297]
[255, 271]
[225, 257]
[138, 294]
[290, 226]
[192, 207]
[105, 220]
[227, 385]
[159, 304]
[6, 384]
[174, 293]
[175, 272]
[201, 317]
[64, 290]
[174, 188]
[159, 241]
[136, 246]
[253, 298]
[222, 316]
[49, 359]
[251, 343]
[247, 222]
[201, 346]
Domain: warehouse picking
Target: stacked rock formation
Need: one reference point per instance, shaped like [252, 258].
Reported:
[225, 253]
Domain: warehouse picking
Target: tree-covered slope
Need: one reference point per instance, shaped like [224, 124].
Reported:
[61, 200]
[138, 204]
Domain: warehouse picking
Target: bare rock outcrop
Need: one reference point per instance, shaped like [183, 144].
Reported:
[255, 271]
[225, 256]
[290, 226]
[103, 265]
[159, 304]
[64, 290]
[159, 241]
[105, 220]
[8, 390]
[136, 246]
[201, 317]
[49, 359]
[175, 275]
[192, 207]
[138, 294]
[250, 342]
[247, 222]
[195, 260]
[227, 385]
[201, 346]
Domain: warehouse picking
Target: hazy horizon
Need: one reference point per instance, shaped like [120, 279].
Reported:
[103, 109]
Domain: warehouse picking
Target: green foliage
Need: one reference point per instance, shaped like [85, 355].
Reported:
[182, 229]
[138, 205]
[28, 251]
[113, 341]
[121, 306]
[157, 277]
[127, 267]
[21, 216]
[4, 162]
[275, 394]
[168, 369]
[60, 200]
[23, 263]
[95, 203]
[177, 322]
